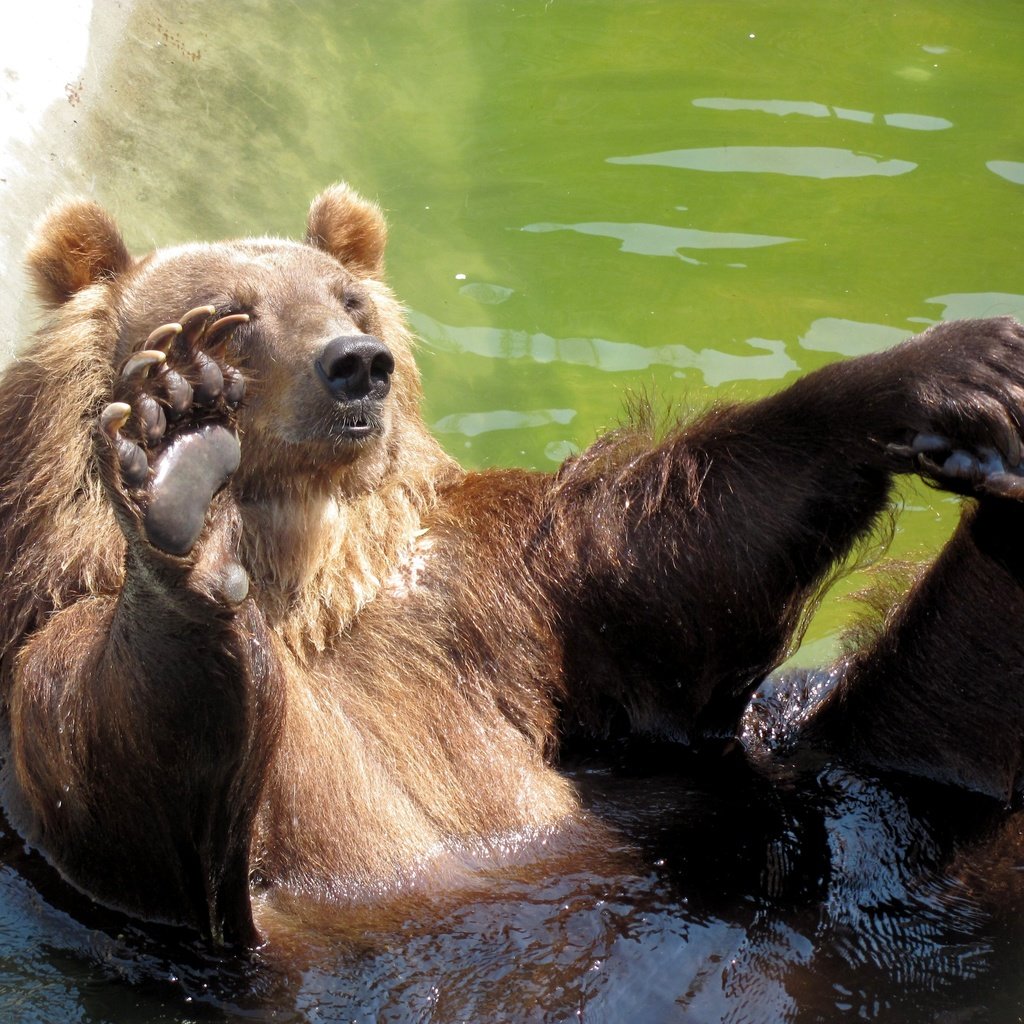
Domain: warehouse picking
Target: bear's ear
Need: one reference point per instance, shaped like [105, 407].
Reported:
[350, 228]
[75, 245]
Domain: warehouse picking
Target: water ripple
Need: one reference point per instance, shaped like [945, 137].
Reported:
[661, 240]
[850, 337]
[768, 360]
[1011, 170]
[800, 161]
[967, 305]
[807, 108]
[470, 424]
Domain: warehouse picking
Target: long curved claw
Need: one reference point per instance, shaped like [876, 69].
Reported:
[142, 362]
[198, 313]
[114, 417]
[130, 457]
[162, 337]
[220, 331]
[194, 326]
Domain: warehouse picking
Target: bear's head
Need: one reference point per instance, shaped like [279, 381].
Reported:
[332, 388]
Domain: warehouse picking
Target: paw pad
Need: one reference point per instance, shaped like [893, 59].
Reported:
[172, 428]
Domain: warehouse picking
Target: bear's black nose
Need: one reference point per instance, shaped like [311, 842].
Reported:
[356, 366]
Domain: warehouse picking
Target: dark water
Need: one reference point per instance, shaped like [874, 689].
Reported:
[723, 898]
[589, 199]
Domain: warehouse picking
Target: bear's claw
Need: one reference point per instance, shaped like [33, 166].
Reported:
[162, 335]
[219, 332]
[142, 362]
[978, 471]
[131, 458]
[193, 321]
[172, 429]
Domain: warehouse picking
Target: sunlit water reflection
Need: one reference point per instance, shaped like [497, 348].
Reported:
[800, 161]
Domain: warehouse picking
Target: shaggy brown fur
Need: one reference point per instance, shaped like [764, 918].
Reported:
[417, 642]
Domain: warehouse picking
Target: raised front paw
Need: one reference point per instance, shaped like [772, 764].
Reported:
[975, 470]
[962, 406]
[169, 435]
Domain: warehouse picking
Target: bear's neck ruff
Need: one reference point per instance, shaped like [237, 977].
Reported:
[316, 559]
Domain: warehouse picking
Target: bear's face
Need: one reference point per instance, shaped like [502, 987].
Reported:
[324, 370]
[328, 364]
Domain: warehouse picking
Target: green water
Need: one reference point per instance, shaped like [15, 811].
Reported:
[687, 200]
[692, 200]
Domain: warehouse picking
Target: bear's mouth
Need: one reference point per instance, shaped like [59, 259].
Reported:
[357, 421]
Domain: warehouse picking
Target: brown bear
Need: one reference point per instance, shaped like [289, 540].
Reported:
[265, 644]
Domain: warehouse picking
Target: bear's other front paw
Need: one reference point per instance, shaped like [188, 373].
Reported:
[957, 412]
[975, 470]
[171, 428]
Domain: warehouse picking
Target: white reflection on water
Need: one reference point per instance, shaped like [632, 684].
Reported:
[660, 240]
[967, 305]
[917, 122]
[1011, 170]
[470, 424]
[850, 337]
[768, 361]
[807, 108]
[854, 338]
[800, 161]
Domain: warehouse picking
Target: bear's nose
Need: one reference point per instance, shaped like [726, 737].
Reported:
[356, 366]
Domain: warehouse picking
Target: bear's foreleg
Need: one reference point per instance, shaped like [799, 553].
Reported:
[142, 724]
[687, 566]
[941, 692]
